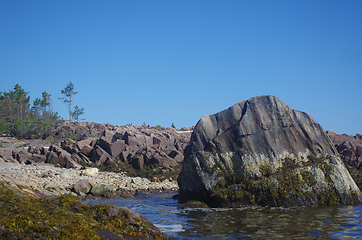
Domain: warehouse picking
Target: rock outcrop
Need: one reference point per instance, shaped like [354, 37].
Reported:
[349, 148]
[91, 144]
[260, 151]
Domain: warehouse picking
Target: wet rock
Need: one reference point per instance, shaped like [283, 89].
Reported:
[83, 186]
[194, 204]
[260, 151]
[99, 190]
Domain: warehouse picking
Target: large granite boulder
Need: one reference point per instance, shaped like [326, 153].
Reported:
[260, 151]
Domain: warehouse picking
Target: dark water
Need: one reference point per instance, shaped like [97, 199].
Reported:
[338, 222]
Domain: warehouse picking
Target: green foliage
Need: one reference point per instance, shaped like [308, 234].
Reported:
[17, 119]
[69, 134]
[77, 112]
[68, 92]
[173, 125]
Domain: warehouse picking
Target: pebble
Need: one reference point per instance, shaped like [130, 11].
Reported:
[48, 178]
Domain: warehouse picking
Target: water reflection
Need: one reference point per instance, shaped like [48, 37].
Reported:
[337, 222]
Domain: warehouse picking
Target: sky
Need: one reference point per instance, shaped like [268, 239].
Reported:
[162, 62]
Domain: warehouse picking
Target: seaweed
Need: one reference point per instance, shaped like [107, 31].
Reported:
[64, 217]
[291, 184]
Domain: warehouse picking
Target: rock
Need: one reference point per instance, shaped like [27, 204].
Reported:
[69, 146]
[86, 150]
[176, 155]
[59, 156]
[117, 147]
[99, 189]
[21, 156]
[259, 151]
[137, 162]
[105, 142]
[132, 215]
[194, 204]
[37, 158]
[83, 143]
[109, 235]
[67, 175]
[4, 164]
[348, 146]
[99, 156]
[136, 180]
[7, 153]
[110, 162]
[83, 186]
[92, 172]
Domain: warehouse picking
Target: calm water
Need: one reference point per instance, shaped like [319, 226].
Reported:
[343, 222]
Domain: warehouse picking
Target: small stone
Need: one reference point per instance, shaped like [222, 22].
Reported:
[91, 172]
[136, 180]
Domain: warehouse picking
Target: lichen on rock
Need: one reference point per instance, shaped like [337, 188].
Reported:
[260, 151]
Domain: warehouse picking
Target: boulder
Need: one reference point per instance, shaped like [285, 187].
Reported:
[61, 157]
[86, 150]
[92, 172]
[83, 143]
[37, 158]
[69, 147]
[99, 156]
[21, 156]
[117, 147]
[67, 175]
[99, 189]
[7, 154]
[260, 151]
[82, 187]
[105, 142]
[137, 162]
[86, 143]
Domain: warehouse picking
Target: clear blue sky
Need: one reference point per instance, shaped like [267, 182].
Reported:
[164, 62]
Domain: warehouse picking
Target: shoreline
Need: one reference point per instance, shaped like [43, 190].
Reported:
[46, 179]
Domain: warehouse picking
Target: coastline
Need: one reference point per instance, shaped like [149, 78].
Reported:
[50, 180]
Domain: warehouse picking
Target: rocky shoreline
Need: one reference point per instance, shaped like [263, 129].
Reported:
[49, 180]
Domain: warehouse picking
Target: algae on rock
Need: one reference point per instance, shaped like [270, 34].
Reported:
[65, 217]
[260, 151]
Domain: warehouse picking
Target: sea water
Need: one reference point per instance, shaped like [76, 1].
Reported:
[334, 222]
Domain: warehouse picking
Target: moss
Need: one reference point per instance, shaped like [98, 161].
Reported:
[66, 217]
[290, 184]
